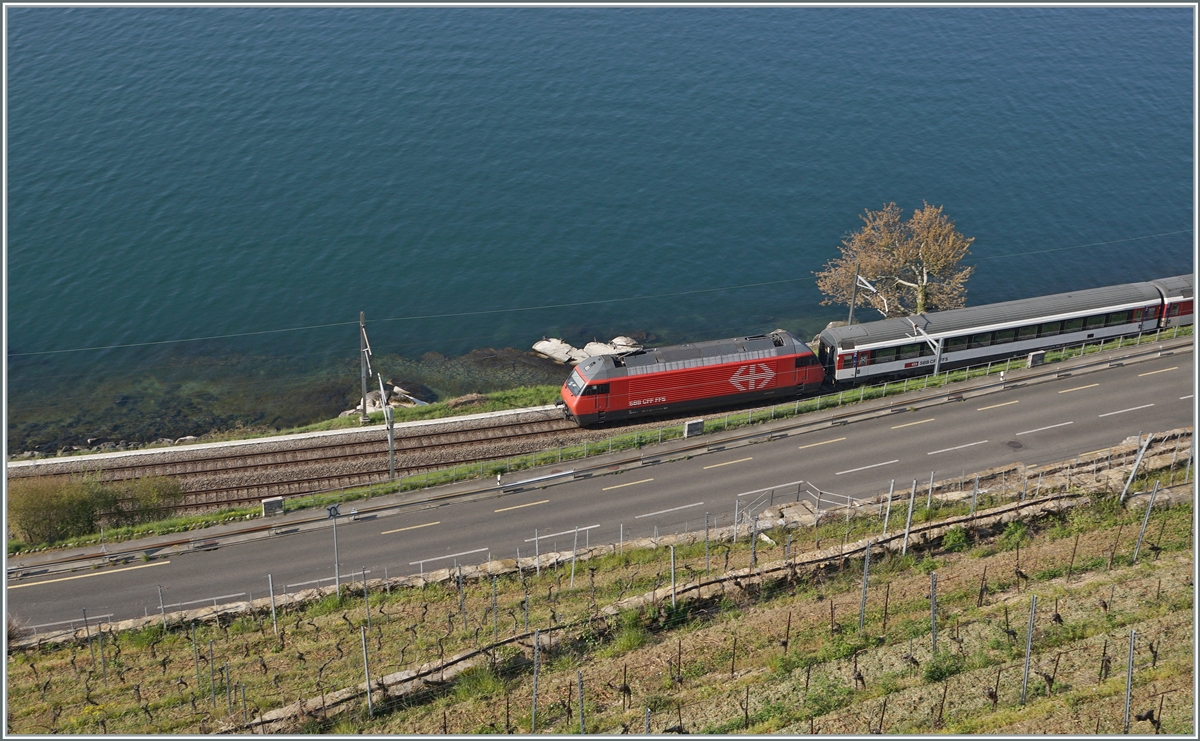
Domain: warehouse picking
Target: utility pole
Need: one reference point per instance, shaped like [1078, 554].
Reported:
[362, 358]
[337, 576]
[391, 428]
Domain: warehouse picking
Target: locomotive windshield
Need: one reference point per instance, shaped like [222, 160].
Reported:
[573, 383]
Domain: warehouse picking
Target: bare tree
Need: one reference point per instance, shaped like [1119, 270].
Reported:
[912, 266]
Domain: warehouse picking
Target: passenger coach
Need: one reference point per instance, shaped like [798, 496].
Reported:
[902, 347]
[689, 377]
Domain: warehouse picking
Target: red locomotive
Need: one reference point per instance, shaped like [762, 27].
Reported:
[690, 377]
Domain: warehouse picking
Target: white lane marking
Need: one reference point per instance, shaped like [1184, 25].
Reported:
[726, 463]
[664, 511]
[519, 506]
[564, 532]
[823, 442]
[631, 483]
[994, 406]
[84, 576]
[1130, 409]
[1051, 427]
[863, 468]
[1164, 370]
[1185, 397]
[1079, 388]
[958, 447]
[910, 424]
[410, 527]
[442, 558]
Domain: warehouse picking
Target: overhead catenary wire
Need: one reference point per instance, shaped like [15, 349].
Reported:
[542, 307]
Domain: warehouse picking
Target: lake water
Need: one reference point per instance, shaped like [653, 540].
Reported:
[259, 176]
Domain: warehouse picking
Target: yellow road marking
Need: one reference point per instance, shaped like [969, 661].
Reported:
[1164, 370]
[519, 506]
[993, 406]
[726, 463]
[823, 442]
[631, 483]
[1078, 388]
[84, 576]
[910, 424]
[410, 527]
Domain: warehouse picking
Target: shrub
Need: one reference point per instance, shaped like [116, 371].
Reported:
[1015, 532]
[942, 666]
[955, 539]
[48, 509]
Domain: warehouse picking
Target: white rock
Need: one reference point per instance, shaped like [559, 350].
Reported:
[186, 439]
[555, 349]
[599, 348]
[625, 343]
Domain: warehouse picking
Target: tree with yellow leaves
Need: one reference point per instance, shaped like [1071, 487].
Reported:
[908, 267]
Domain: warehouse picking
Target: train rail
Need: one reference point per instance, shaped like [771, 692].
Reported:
[233, 476]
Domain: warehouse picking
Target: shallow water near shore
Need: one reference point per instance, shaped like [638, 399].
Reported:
[678, 174]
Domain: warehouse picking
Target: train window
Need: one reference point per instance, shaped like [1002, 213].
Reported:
[595, 389]
[911, 351]
[1116, 318]
[573, 383]
[1073, 325]
[981, 340]
[1174, 310]
[955, 343]
[1049, 329]
[1094, 322]
[806, 360]
[884, 355]
[1004, 335]
[1027, 333]
[1152, 312]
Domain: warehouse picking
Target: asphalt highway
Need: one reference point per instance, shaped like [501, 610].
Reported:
[1032, 424]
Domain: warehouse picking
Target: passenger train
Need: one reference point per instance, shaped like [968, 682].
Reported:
[715, 373]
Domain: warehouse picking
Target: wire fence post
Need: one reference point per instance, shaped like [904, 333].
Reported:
[366, 597]
[574, 550]
[271, 586]
[647, 720]
[161, 608]
[735, 521]
[1129, 680]
[672, 577]
[537, 554]
[908, 523]
[87, 632]
[929, 496]
[887, 514]
[974, 494]
[706, 542]
[1028, 646]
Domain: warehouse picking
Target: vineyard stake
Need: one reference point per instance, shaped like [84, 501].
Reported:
[1129, 679]
[908, 523]
[1145, 521]
[862, 606]
[1028, 646]
[533, 714]
[933, 607]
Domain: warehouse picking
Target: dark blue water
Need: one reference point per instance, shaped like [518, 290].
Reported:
[209, 172]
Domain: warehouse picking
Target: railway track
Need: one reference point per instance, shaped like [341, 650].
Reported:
[240, 475]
